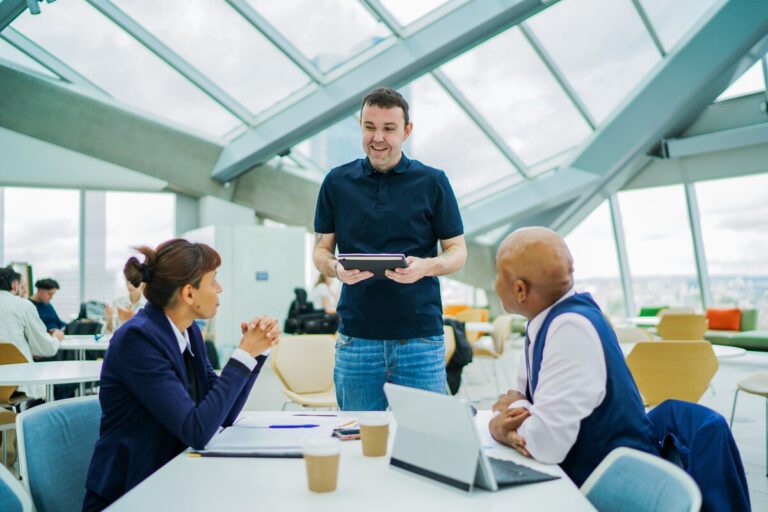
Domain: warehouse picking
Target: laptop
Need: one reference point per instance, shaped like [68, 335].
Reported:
[436, 438]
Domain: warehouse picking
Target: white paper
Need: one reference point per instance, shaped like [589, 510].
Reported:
[247, 438]
[322, 421]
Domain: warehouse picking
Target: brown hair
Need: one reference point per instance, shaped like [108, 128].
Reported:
[385, 97]
[169, 267]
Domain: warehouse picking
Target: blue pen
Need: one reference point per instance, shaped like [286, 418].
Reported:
[308, 425]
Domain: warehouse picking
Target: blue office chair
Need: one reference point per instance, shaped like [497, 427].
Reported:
[13, 497]
[56, 442]
[629, 480]
[698, 440]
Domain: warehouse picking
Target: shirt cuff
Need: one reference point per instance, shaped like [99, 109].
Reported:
[520, 403]
[244, 357]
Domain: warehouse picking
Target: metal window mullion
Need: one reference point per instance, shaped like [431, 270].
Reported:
[2, 225]
[621, 253]
[764, 63]
[47, 60]
[480, 121]
[558, 75]
[386, 17]
[153, 44]
[10, 10]
[276, 38]
[649, 27]
[702, 271]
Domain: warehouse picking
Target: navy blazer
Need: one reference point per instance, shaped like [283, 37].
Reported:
[148, 416]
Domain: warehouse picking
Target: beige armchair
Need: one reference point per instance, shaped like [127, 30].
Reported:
[304, 364]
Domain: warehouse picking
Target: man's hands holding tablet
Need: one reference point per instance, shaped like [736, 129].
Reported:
[416, 269]
[352, 276]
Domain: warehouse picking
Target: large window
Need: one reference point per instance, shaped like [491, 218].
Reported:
[660, 248]
[134, 219]
[734, 220]
[596, 267]
[42, 229]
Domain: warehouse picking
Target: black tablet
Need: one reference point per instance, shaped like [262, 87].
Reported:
[376, 263]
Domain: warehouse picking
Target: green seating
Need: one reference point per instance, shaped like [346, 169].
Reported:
[747, 337]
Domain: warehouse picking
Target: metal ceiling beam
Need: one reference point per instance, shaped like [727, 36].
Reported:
[558, 75]
[480, 121]
[47, 60]
[686, 82]
[278, 39]
[533, 197]
[153, 44]
[649, 27]
[710, 142]
[679, 89]
[10, 10]
[407, 59]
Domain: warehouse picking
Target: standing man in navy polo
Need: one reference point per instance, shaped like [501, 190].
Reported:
[391, 329]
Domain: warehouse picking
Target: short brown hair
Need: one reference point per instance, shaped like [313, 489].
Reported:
[385, 97]
[169, 267]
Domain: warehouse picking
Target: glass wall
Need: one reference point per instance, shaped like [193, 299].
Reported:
[660, 247]
[734, 221]
[134, 219]
[596, 267]
[41, 228]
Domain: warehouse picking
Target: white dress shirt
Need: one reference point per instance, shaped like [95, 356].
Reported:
[21, 325]
[183, 340]
[571, 384]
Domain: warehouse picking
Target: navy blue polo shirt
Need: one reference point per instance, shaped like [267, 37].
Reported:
[406, 210]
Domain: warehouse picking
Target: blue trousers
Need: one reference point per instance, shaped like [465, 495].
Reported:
[363, 366]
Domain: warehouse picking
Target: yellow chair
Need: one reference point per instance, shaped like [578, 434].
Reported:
[756, 384]
[682, 326]
[7, 427]
[472, 315]
[677, 369]
[492, 347]
[9, 396]
[304, 364]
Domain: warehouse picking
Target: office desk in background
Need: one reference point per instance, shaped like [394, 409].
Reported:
[365, 484]
[50, 373]
[81, 343]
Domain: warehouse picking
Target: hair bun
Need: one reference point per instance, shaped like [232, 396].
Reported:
[146, 274]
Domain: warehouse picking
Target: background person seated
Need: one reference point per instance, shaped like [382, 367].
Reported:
[123, 308]
[21, 325]
[575, 399]
[323, 296]
[45, 289]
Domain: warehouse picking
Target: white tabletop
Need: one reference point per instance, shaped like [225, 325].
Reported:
[49, 372]
[639, 320]
[83, 343]
[720, 351]
[365, 484]
[478, 326]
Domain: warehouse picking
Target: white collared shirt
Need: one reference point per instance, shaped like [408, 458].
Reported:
[183, 340]
[21, 326]
[571, 384]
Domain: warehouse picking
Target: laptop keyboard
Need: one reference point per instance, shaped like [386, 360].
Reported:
[508, 473]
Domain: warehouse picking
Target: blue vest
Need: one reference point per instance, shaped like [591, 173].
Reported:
[620, 420]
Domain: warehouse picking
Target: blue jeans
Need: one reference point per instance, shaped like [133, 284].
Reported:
[363, 366]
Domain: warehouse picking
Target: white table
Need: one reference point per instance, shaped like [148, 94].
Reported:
[365, 484]
[81, 343]
[50, 373]
[721, 352]
[478, 326]
[640, 321]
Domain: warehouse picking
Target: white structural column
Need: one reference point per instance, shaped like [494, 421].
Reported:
[95, 283]
[2, 225]
[694, 219]
[621, 253]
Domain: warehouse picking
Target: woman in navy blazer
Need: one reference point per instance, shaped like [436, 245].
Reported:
[158, 392]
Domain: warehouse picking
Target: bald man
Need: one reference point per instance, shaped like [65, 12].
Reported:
[574, 399]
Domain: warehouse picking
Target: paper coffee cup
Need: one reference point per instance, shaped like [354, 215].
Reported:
[374, 433]
[321, 457]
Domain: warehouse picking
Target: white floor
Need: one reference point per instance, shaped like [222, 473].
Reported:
[748, 428]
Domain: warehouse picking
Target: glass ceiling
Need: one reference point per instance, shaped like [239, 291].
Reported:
[503, 112]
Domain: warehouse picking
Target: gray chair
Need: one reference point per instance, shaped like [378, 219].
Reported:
[629, 480]
[56, 442]
[13, 497]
